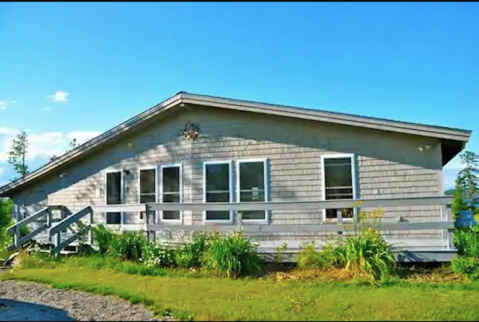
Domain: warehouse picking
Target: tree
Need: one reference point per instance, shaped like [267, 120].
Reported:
[18, 152]
[73, 144]
[467, 183]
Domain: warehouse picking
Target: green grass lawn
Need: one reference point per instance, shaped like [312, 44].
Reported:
[204, 298]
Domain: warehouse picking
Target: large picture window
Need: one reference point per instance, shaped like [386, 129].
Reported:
[252, 186]
[218, 188]
[171, 190]
[147, 188]
[338, 183]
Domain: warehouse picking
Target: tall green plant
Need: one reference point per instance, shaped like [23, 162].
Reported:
[103, 238]
[231, 255]
[128, 246]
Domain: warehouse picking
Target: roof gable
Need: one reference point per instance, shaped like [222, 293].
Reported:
[453, 139]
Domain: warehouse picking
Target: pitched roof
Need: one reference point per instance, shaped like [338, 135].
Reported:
[453, 140]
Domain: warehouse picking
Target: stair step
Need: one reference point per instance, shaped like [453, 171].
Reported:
[42, 238]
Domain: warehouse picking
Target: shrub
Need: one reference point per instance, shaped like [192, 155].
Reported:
[155, 255]
[466, 240]
[308, 257]
[466, 265]
[191, 255]
[184, 257]
[128, 246]
[231, 255]
[103, 238]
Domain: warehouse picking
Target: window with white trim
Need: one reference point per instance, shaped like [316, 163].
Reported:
[171, 190]
[218, 186]
[114, 195]
[147, 188]
[252, 186]
[338, 183]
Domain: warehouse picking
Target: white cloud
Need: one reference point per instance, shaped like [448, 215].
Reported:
[59, 97]
[43, 145]
[5, 104]
[45, 109]
[2, 171]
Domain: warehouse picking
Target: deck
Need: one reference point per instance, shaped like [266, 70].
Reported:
[64, 234]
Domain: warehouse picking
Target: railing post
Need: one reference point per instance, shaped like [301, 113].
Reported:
[239, 218]
[339, 213]
[58, 240]
[90, 231]
[49, 222]
[16, 237]
[147, 221]
[449, 233]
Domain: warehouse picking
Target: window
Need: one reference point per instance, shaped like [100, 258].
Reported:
[147, 188]
[114, 195]
[252, 186]
[218, 188]
[171, 189]
[338, 183]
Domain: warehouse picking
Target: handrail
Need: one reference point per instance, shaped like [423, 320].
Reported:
[334, 227]
[280, 205]
[18, 241]
[27, 220]
[68, 221]
[65, 223]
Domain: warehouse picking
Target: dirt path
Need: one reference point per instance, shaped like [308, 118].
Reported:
[25, 301]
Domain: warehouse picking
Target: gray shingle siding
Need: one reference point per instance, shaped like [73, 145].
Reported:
[387, 164]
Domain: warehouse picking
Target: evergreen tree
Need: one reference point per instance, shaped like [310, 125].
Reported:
[18, 153]
[467, 183]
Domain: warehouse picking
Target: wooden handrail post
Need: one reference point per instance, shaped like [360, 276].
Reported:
[58, 240]
[339, 213]
[90, 232]
[16, 237]
[147, 221]
[49, 221]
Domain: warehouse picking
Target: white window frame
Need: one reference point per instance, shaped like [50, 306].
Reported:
[156, 187]
[231, 188]
[160, 196]
[353, 176]
[266, 186]
[122, 195]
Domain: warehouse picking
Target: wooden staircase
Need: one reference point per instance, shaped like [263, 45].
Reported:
[60, 237]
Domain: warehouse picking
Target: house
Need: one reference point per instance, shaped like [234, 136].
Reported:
[204, 149]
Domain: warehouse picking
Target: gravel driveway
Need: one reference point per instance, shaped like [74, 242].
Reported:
[25, 301]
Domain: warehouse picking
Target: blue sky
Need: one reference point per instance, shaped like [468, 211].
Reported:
[77, 69]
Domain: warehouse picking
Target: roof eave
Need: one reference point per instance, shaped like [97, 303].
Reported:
[7, 190]
[330, 117]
